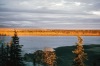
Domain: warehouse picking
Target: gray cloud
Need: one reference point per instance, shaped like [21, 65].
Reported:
[61, 14]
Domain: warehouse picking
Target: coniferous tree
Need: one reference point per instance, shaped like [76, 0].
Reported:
[7, 54]
[15, 51]
[3, 55]
[1, 51]
[10, 54]
[38, 57]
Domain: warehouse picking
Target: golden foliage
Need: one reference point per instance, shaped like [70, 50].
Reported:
[49, 57]
[45, 57]
[80, 55]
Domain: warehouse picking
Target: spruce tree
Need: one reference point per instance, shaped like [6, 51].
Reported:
[3, 55]
[38, 57]
[15, 51]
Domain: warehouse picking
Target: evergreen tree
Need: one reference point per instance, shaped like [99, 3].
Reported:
[15, 51]
[3, 55]
[10, 54]
[7, 54]
[38, 57]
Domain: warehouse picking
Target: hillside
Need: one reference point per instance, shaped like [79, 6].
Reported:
[65, 56]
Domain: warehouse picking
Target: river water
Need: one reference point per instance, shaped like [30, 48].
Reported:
[33, 43]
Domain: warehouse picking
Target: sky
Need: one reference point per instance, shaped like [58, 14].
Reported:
[50, 14]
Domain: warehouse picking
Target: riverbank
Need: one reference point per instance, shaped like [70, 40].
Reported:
[48, 32]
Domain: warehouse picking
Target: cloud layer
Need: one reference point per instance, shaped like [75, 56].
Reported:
[55, 14]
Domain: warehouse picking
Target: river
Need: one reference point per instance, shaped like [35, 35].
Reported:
[33, 43]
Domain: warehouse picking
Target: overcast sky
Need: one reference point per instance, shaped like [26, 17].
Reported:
[55, 14]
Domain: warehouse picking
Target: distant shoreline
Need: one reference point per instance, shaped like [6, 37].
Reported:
[48, 32]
